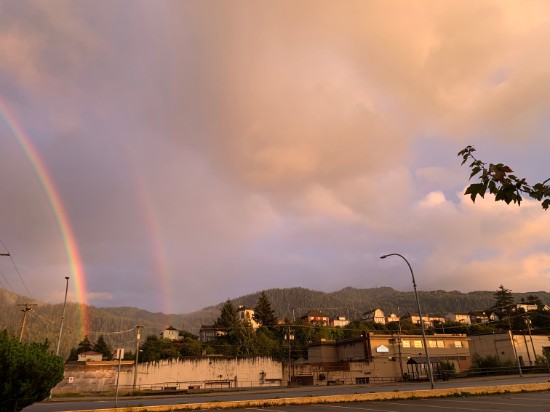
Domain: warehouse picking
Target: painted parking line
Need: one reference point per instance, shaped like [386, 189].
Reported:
[265, 409]
[531, 399]
[357, 408]
[491, 402]
[446, 407]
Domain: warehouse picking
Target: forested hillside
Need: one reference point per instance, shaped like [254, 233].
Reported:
[117, 323]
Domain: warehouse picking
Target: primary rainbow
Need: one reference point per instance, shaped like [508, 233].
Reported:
[71, 247]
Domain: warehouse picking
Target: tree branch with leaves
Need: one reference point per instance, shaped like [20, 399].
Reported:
[498, 180]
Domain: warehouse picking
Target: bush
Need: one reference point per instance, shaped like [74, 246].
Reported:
[28, 372]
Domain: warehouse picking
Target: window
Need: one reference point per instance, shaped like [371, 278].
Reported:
[359, 381]
[406, 344]
[458, 344]
[417, 343]
[440, 344]
[432, 344]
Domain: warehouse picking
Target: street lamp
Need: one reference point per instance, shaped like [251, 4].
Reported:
[430, 374]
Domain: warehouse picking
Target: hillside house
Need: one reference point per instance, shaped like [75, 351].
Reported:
[392, 317]
[429, 320]
[374, 315]
[457, 317]
[339, 322]
[90, 356]
[316, 317]
[483, 316]
[526, 307]
[246, 314]
[170, 333]
[209, 333]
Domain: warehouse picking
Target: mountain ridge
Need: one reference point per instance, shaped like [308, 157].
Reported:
[117, 323]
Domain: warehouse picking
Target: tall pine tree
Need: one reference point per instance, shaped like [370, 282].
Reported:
[228, 319]
[84, 345]
[263, 313]
[503, 301]
[102, 347]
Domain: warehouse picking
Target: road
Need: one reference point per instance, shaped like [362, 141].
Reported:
[100, 403]
[532, 402]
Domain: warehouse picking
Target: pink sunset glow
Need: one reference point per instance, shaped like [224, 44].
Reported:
[198, 151]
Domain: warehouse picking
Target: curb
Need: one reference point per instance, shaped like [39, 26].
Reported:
[376, 396]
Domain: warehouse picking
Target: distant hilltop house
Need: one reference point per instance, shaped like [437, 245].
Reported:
[392, 317]
[90, 356]
[209, 333]
[316, 317]
[463, 318]
[483, 316]
[374, 315]
[170, 333]
[246, 314]
[378, 316]
[429, 321]
[339, 322]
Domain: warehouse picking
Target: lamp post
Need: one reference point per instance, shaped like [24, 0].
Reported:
[430, 374]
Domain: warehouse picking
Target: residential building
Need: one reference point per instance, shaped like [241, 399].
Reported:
[374, 315]
[170, 333]
[526, 307]
[483, 316]
[90, 356]
[429, 320]
[209, 333]
[339, 322]
[392, 317]
[246, 314]
[316, 317]
[458, 317]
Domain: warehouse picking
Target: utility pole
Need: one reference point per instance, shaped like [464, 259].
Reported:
[290, 337]
[513, 341]
[138, 337]
[399, 344]
[28, 307]
[62, 315]
[528, 321]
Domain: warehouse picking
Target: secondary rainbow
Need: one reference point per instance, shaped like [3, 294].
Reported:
[71, 246]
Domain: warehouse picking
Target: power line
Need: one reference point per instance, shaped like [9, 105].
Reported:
[16, 269]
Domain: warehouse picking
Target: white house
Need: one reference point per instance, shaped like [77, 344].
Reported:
[463, 318]
[90, 356]
[374, 315]
[170, 333]
[246, 314]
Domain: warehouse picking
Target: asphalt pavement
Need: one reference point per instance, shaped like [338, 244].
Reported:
[91, 403]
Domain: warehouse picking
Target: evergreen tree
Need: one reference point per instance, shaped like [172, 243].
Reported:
[503, 301]
[85, 345]
[27, 372]
[228, 319]
[102, 347]
[263, 313]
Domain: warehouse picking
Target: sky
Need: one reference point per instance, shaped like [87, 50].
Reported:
[173, 154]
